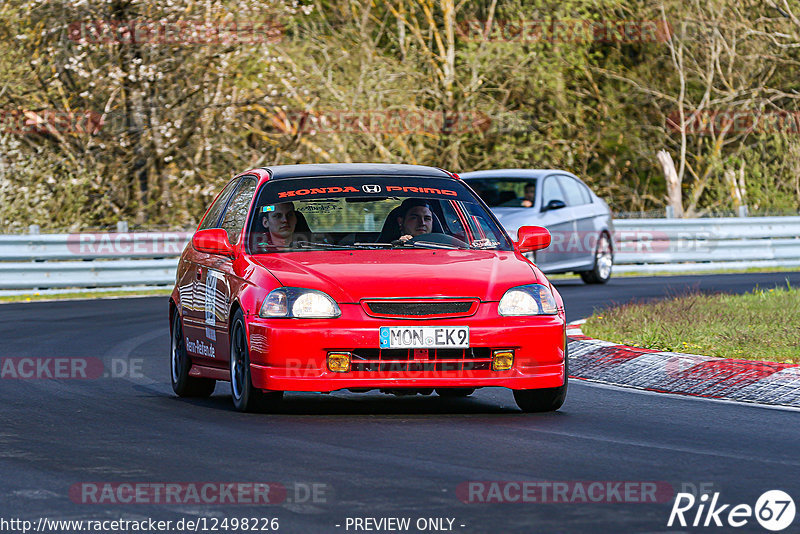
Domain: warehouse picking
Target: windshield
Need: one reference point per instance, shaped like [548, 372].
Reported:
[370, 212]
[505, 192]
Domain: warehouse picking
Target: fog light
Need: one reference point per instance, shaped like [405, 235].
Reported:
[339, 362]
[502, 360]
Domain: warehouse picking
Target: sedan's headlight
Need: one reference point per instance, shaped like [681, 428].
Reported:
[533, 299]
[300, 303]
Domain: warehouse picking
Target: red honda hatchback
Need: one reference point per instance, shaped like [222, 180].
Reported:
[361, 277]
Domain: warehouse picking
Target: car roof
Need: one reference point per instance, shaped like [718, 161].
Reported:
[512, 173]
[278, 172]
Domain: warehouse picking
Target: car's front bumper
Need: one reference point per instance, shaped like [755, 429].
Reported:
[290, 354]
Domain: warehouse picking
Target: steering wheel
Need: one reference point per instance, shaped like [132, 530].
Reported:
[435, 237]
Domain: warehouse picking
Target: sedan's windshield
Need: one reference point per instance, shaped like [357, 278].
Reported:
[505, 192]
[369, 212]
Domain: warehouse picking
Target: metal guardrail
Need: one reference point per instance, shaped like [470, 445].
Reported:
[49, 261]
[92, 246]
[681, 245]
[111, 273]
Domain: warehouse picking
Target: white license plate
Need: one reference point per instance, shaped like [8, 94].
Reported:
[424, 337]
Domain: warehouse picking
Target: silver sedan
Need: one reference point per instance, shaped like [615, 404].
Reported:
[579, 221]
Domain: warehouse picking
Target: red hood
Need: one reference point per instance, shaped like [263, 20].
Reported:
[349, 276]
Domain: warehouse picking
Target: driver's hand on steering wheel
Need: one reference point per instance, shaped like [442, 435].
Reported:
[405, 238]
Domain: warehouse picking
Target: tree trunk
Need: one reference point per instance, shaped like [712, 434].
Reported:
[733, 188]
[674, 198]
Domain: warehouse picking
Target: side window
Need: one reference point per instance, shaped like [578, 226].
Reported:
[216, 208]
[479, 226]
[587, 195]
[236, 214]
[551, 191]
[450, 221]
[573, 191]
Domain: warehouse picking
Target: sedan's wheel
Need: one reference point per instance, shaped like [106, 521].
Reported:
[183, 384]
[546, 399]
[246, 397]
[603, 263]
[455, 392]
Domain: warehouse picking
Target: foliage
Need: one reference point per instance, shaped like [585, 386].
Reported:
[179, 118]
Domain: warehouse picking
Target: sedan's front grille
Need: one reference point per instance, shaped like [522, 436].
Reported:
[422, 309]
[399, 360]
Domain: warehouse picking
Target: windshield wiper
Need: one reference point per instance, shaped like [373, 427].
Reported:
[363, 246]
[312, 244]
[430, 244]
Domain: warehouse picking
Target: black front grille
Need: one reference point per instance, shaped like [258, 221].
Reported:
[418, 309]
[398, 360]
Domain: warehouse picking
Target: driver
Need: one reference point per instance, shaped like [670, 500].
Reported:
[280, 221]
[414, 218]
[530, 195]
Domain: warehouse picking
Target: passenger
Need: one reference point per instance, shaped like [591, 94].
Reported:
[414, 218]
[530, 195]
[280, 221]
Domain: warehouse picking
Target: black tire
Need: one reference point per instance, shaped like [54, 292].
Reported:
[454, 393]
[246, 397]
[603, 262]
[182, 384]
[545, 399]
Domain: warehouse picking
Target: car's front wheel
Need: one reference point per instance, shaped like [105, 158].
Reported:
[545, 399]
[246, 397]
[183, 384]
[603, 262]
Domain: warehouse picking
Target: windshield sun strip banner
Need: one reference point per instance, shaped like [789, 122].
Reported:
[363, 186]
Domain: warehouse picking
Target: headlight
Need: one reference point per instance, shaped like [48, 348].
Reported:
[533, 299]
[299, 302]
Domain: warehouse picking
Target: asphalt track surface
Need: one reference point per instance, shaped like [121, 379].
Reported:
[378, 456]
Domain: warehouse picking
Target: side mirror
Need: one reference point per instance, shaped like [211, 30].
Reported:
[530, 238]
[212, 241]
[554, 205]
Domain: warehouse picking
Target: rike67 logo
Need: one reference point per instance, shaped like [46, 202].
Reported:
[774, 510]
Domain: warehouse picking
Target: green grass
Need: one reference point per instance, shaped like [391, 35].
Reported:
[761, 325]
[31, 297]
